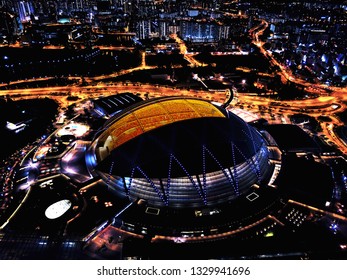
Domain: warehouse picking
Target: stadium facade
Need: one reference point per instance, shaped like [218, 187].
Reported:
[180, 153]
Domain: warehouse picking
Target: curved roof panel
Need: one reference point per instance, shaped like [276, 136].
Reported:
[155, 115]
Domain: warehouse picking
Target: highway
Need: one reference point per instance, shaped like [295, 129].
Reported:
[183, 50]
[325, 104]
[277, 112]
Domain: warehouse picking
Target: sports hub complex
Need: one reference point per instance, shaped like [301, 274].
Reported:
[170, 177]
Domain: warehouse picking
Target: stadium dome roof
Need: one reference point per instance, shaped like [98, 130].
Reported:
[180, 152]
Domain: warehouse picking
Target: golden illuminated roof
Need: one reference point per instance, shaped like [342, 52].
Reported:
[156, 115]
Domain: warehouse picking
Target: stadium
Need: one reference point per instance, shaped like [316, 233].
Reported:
[180, 153]
[186, 161]
[135, 175]
[172, 178]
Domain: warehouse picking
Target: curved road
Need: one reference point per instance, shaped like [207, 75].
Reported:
[323, 105]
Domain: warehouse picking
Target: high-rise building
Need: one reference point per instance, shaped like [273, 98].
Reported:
[9, 5]
[25, 10]
[197, 31]
[143, 29]
[67, 6]
[80, 5]
[4, 3]
[164, 27]
[8, 25]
